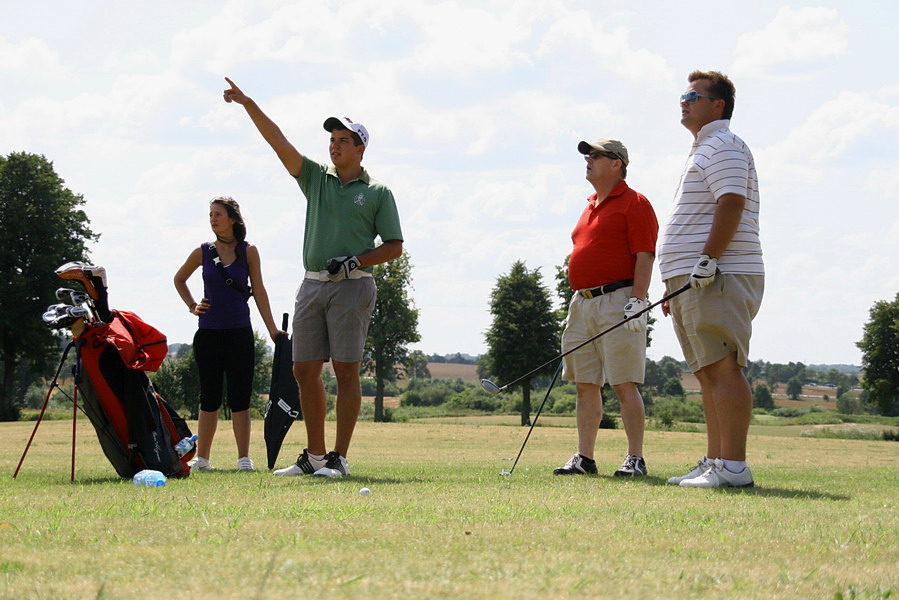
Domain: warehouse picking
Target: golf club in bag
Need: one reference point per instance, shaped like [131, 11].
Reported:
[113, 349]
[534, 422]
[495, 389]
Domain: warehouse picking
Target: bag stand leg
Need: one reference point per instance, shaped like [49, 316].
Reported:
[74, 426]
[53, 384]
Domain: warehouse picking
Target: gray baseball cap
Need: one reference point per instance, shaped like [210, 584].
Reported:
[609, 145]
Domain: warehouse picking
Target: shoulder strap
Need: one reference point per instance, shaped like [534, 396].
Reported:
[229, 281]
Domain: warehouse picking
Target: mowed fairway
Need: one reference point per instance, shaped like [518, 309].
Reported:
[441, 523]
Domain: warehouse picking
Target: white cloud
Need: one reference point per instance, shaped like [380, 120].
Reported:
[831, 131]
[792, 44]
[610, 48]
[32, 59]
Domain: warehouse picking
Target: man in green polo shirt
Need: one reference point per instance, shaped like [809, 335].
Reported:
[346, 210]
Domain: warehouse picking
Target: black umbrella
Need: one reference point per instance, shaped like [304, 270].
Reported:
[283, 407]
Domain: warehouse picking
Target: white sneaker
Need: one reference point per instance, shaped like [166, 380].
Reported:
[199, 463]
[305, 465]
[335, 466]
[718, 476]
[700, 468]
[245, 463]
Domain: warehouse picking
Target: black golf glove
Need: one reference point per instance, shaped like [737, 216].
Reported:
[340, 267]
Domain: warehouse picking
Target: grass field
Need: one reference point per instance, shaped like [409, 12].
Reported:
[441, 523]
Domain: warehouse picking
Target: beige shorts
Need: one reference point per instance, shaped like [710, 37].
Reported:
[715, 321]
[330, 320]
[616, 357]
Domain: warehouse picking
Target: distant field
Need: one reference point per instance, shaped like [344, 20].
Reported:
[454, 371]
[813, 394]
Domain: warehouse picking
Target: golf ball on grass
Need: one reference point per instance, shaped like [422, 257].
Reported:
[364, 491]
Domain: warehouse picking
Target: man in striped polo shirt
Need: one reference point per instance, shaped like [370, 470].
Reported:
[711, 239]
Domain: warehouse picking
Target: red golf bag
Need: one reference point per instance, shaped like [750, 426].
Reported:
[136, 427]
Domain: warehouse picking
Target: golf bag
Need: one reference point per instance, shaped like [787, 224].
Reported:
[136, 427]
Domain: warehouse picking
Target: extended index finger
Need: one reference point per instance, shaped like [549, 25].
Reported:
[233, 86]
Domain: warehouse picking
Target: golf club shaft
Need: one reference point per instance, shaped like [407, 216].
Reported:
[536, 416]
[598, 335]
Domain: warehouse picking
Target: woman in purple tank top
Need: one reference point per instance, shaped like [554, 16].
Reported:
[224, 346]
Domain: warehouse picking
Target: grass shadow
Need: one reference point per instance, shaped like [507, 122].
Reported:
[753, 491]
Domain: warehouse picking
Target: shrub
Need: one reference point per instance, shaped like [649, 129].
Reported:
[475, 399]
[564, 404]
[668, 410]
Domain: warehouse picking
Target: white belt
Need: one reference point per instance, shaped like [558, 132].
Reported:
[323, 275]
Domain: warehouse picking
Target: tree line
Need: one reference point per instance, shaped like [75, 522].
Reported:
[42, 224]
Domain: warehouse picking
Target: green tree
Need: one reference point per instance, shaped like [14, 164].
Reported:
[394, 325]
[761, 397]
[794, 388]
[41, 227]
[178, 381]
[418, 365]
[880, 356]
[673, 387]
[524, 332]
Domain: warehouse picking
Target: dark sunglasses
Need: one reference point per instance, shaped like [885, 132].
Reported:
[597, 154]
[692, 96]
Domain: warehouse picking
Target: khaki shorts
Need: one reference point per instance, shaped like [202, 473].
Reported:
[330, 319]
[616, 357]
[715, 321]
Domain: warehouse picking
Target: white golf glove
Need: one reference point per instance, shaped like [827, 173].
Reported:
[633, 306]
[704, 272]
[340, 267]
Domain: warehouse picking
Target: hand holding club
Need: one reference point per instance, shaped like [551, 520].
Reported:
[704, 272]
[633, 308]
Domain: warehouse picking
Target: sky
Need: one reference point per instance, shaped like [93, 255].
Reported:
[475, 110]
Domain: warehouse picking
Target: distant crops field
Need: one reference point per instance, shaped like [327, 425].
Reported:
[453, 371]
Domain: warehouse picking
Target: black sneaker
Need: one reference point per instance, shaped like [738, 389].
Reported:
[633, 466]
[577, 465]
[335, 466]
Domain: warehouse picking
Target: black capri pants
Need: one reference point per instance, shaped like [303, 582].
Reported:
[225, 355]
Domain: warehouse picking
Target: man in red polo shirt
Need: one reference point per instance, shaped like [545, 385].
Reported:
[609, 269]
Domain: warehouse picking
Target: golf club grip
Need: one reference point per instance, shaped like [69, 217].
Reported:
[284, 322]
[600, 334]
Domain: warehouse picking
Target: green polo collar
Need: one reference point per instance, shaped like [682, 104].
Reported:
[363, 176]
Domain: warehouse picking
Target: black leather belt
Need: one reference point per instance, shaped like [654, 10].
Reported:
[605, 289]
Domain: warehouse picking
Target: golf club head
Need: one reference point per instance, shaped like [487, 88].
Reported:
[63, 322]
[505, 473]
[92, 277]
[490, 387]
[65, 294]
[53, 312]
[81, 298]
[79, 312]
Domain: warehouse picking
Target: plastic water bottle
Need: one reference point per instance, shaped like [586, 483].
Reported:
[149, 478]
[186, 445]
